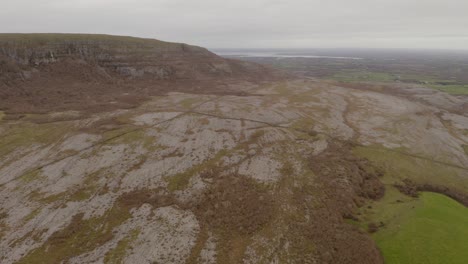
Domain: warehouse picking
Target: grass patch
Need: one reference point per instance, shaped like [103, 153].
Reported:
[130, 136]
[451, 89]
[89, 187]
[428, 229]
[26, 134]
[399, 166]
[431, 229]
[117, 254]
[303, 98]
[188, 103]
[364, 76]
[3, 226]
[85, 191]
[430, 81]
[83, 194]
[32, 215]
[181, 180]
[31, 176]
[282, 89]
[304, 124]
[78, 237]
[393, 207]
[49, 199]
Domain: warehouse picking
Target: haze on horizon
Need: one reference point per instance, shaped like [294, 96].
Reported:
[428, 24]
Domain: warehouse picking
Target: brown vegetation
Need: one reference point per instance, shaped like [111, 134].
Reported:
[345, 181]
[235, 204]
[413, 189]
[134, 199]
[41, 73]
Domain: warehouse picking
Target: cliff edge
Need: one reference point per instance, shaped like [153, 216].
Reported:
[42, 72]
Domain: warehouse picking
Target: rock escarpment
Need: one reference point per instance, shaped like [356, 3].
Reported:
[41, 71]
[126, 56]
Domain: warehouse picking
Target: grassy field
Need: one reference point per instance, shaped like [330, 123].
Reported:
[363, 76]
[428, 229]
[451, 89]
[431, 229]
[429, 81]
[399, 166]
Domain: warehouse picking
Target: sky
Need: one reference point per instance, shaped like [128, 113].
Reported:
[428, 24]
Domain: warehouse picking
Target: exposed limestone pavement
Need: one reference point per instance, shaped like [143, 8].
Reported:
[265, 176]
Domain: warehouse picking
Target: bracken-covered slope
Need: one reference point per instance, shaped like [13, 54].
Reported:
[39, 72]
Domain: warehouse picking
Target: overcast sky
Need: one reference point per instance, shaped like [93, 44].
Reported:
[253, 23]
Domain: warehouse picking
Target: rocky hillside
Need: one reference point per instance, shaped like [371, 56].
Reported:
[59, 71]
[298, 171]
[126, 56]
[215, 166]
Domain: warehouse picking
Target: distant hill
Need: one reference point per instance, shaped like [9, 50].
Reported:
[43, 71]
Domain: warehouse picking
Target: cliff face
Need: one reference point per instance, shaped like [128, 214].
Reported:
[126, 56]
[42, 72]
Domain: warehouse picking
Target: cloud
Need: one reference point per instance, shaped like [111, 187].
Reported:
[253, 23]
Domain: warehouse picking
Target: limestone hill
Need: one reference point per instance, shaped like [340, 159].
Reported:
[43, 72]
